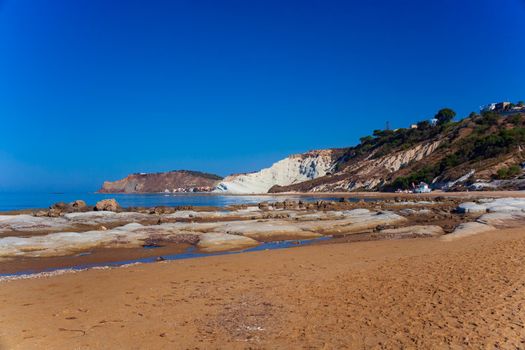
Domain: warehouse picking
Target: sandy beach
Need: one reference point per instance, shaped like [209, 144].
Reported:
[415, 293]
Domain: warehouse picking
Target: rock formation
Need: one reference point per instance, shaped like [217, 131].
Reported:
[288, 171]
[107, 205]
[172, 181]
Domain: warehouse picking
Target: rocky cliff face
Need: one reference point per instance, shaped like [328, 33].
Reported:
[364, 174]
[173, 181]
[288, 171]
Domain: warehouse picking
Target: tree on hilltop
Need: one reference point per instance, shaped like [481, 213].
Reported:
[423, 125]
[366, 139]
[445, 115]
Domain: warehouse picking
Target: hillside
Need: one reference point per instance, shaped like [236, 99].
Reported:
[172, 181]
[474, 150]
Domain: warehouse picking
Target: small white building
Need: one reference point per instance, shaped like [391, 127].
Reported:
[488, 108]
[423, 187]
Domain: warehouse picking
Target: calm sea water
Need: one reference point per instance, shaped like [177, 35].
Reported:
[14, 201]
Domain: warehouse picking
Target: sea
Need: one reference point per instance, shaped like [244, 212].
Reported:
[29, 200]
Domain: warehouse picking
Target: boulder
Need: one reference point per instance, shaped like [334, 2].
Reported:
[310, 206]
[54, 213]
[78, 204]
[264, 206]
[107, 205]
[60, 206]
[289, 204]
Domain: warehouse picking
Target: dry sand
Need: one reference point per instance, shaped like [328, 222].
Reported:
[416, 293]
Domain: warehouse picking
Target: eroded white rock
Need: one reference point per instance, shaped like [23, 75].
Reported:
[512, 218]
[467, 229]
[212, 234]
[498, 205]
[217, 242]
[415, 230]
[290, 170]
[471, 207]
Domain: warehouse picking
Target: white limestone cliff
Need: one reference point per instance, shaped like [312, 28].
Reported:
[290, 170]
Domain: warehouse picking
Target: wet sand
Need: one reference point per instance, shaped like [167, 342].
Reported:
[414, 293]
[98, 256]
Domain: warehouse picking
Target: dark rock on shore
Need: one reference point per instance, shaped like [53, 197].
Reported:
[61, 208]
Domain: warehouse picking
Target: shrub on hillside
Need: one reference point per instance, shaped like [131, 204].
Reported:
[507, 173]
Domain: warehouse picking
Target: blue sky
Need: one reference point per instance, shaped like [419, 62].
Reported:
[93, 89]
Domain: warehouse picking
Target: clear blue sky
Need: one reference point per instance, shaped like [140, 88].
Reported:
[96, 89]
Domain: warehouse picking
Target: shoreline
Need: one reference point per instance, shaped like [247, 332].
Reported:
[119, 257]
[320, 195]
[75, 239]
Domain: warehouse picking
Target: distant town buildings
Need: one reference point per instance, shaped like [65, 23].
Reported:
[190, 189]
[503, 108]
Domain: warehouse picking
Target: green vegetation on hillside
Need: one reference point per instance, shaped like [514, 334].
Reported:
[383, 142]
[507, 173]
[473, 139]
[492, 137]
